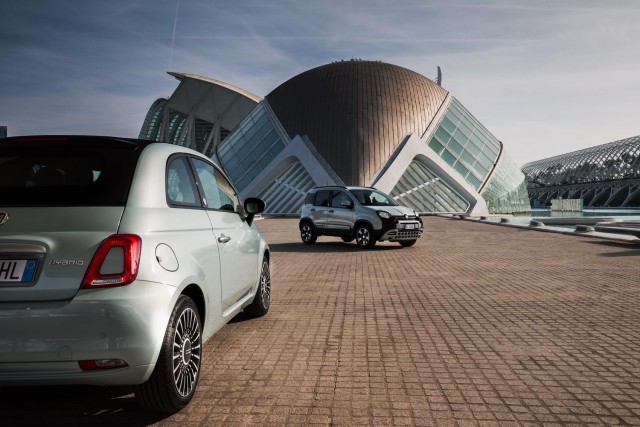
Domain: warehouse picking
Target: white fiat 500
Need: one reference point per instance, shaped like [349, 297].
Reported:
[119, 258]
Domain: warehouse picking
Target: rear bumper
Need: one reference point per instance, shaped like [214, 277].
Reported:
[42, 345]
[68, 373]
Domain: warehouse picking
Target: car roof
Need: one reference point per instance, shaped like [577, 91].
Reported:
[78, 139]
[342, 187]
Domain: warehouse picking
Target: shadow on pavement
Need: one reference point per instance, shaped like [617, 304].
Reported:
[73, 405]
[326, 247]
[629, 249]
[241, 317]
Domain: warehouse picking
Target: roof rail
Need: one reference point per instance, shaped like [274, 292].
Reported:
[327, 186]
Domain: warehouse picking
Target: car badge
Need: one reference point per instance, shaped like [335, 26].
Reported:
[4, 217]
[406, 216]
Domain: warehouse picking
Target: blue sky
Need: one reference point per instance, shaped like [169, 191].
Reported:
[545, 77]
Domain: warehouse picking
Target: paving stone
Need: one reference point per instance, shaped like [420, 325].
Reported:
[474, 325]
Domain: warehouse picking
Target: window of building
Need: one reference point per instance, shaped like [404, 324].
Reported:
[465, 144]
[250, 148]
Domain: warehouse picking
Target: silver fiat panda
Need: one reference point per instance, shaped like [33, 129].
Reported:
[363, 214]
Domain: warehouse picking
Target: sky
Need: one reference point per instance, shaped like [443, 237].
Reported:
[545, 77]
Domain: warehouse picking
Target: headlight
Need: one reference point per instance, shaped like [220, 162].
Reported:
[383, 214]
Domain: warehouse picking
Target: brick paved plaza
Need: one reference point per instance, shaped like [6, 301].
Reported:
[475, 325]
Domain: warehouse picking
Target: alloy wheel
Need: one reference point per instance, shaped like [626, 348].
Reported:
[307, 233]
[363, 237]
[187, 348]
[265, 284]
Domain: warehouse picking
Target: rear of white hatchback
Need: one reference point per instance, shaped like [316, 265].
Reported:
[106, 277]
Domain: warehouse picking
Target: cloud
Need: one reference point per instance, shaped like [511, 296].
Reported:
[545, 77]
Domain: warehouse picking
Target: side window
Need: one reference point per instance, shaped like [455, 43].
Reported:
[217, 191]
[228, 198]
[338, 198]
[310, 199]
[323, 198]
[180, 187]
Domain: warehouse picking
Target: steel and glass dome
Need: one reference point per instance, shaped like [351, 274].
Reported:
[370, 123]
[356, 113]
[606, 175]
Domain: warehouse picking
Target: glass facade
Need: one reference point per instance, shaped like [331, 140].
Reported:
[153, 121]
[250, 148]
[177, 122]
[474, 153]
[506, 191]
[202, 131]
[466, 145]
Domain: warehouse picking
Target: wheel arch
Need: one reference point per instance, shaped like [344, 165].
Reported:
[306, 221]
[194, 292]
[363, 222]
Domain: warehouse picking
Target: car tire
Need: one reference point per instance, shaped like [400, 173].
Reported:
[308, 233]
[347, 239]
[261, 301]
[407, 243]
[175, 377]
[364, 236]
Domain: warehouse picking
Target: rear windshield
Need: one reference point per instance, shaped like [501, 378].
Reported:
[66, 173]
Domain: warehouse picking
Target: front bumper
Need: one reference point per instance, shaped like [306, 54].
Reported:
[395, 230]
[42, 344]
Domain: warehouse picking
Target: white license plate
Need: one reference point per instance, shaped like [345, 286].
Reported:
[17, 270]
[410, 226]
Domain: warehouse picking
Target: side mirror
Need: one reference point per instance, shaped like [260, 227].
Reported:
[253, 206]
[346, 204]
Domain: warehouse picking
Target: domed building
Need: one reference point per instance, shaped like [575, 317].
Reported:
[363, 123]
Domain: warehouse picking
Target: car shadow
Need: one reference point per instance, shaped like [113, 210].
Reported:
[326, 247]
[241, 317]
[629, 249]
[73, 405]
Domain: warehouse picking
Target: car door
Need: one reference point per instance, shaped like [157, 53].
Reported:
[318, 212]
[238, 244]
[186, 228]
[341, 215]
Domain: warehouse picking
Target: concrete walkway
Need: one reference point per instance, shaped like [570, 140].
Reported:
[474, 325]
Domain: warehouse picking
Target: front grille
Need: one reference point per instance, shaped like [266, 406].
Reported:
[402, 218]
[412, 234]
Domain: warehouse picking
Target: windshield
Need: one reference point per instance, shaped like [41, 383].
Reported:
[370, 197]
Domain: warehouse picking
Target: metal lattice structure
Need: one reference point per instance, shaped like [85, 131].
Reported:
[199, 114]
[607, 175]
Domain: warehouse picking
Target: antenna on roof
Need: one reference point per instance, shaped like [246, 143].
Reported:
[439, 77]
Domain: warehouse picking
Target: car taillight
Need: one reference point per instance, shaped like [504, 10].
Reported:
[115, 263]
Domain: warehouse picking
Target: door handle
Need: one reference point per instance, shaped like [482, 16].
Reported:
[223, 238]
[331, 211]
[312, 210]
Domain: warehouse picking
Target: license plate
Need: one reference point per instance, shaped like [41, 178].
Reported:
[410, 226]
[17, 270]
